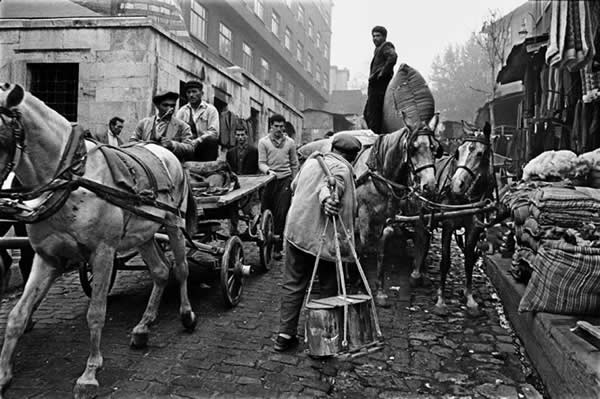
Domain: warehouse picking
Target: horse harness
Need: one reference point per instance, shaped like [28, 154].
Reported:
[67, 178]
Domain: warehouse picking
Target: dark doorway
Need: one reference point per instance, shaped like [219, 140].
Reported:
[57, 85]
[253, 125]
[219, 104]
[182, 97]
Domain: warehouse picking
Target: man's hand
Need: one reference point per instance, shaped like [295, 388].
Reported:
[167, 143]
[331, 206]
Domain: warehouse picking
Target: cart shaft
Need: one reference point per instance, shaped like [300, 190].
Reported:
[441, 215]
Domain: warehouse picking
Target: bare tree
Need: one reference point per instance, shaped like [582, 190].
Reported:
[495, 39]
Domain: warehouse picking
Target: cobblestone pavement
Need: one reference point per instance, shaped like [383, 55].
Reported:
[230, 354]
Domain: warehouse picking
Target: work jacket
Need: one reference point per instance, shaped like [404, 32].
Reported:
[384, 59]
[306, 217]
[177, 130]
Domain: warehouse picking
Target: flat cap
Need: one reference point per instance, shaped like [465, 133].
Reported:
[168, 95]
[194, 84]
[346, 143]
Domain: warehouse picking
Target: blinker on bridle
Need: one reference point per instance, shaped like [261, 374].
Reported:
[474, 139]
[12, 119]
[411, 139]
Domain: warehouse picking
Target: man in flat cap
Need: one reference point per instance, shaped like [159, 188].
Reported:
[382, 71]
[312, 203]
[164, 128]
[203, 119]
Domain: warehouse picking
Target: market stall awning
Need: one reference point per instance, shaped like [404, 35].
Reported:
[519, 57]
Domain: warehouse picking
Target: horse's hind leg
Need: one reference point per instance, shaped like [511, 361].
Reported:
[472, 235]
[101, 261]
[177, 240]
[440, 307]
[381, 297]
[41, 278]
[159, 271]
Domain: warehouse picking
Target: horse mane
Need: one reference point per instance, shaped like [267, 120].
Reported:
[389, 153]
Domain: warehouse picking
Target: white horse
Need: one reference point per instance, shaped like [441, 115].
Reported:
[85, 228]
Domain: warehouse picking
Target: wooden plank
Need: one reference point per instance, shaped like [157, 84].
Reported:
[248, 185]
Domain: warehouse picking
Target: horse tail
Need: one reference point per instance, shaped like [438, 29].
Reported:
[191, 213]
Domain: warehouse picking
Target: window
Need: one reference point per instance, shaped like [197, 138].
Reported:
[275, 24]
[318, 74]
[287, 39]
[290, 93]
[309, 63]
[198, 21]
[259, 9]
[301, 100]
[299, 51]
[247, 57]
[300, 14]
[325, 82]
[326, 50]
[310, 28]
[288, 3]
[224, 41]
[279, 83]
[58, 86]
[318, 42]
[265, 71]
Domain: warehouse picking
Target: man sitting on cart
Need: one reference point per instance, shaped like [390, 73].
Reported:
[164, 128]
[315, 201]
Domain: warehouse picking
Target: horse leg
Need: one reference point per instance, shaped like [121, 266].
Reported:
[472, 235]
[101, 261]
[440, 307]
[160, 276]
[41, 278]
[177, 240]
[421, 240]
[381, 297]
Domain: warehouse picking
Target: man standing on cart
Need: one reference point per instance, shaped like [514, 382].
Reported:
[277, 156]
[314, 201]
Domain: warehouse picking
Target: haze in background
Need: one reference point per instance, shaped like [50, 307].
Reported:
[419, 29]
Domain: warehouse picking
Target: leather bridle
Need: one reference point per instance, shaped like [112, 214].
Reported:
[12, 119]
[411, 139]
[475, 175]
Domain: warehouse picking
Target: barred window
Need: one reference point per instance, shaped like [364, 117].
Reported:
[57, 85]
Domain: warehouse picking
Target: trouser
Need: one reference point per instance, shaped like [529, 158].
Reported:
[373, 113]
[277, 198]
[296, 277]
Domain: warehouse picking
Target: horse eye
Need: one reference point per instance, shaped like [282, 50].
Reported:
[479, 154]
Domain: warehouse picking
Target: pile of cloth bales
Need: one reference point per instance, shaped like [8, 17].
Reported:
[556, 220]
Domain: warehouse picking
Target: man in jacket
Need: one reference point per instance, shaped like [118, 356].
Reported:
[165, 129]
[382, 71]
[243, 158]
[203, 119]
[277, 156]
[111, 135]
[313, 202]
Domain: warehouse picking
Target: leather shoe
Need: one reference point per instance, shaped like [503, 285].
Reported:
[283, 344]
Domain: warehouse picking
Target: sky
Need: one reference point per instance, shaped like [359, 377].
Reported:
[419, 29]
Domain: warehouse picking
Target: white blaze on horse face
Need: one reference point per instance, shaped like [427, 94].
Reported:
[470, 156]
[423, 155]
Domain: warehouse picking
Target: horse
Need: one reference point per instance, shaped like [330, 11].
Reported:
[85, 227]
[385, 171]
[472, 179]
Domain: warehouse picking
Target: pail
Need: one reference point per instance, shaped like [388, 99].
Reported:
[324, 328]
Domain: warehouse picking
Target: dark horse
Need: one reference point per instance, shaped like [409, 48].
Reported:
[472, 180]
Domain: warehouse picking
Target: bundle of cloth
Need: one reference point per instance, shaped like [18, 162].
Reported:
[557, 231]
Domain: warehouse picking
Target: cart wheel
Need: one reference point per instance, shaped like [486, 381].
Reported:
[231, 271]
[266, 244]
[86, 276]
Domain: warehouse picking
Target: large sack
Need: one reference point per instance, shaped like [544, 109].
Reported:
[406, 92]
[211, 178]
[556, 165]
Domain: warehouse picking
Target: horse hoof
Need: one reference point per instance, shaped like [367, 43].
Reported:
[139, 340]
[473, 312]
[189, 321]
[440, 310]
[415, 282]
[381, 300]
[85, 391]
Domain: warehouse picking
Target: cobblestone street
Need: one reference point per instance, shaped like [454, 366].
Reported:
[230, 354]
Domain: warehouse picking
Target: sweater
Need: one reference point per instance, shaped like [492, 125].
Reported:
[281, 159]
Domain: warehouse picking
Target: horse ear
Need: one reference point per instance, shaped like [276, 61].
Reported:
[434, 122]
[15, 96]
[487, 130]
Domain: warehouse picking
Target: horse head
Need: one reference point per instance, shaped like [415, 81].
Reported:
[472, 158]
[419, 149]
[11, 128]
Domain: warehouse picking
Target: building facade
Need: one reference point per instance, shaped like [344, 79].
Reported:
[338, 78]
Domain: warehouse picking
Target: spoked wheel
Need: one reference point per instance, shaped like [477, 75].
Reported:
[266, 240]
[86, 276]
[232, 264]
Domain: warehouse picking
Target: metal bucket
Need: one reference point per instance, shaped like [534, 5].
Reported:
[324, 328]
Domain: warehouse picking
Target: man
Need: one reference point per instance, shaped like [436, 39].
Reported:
[165, 129]
[382, 71]
[277, 156]
[228, 122]
[111, 135]
[203, 119]
[243, 158]
[313, 202]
